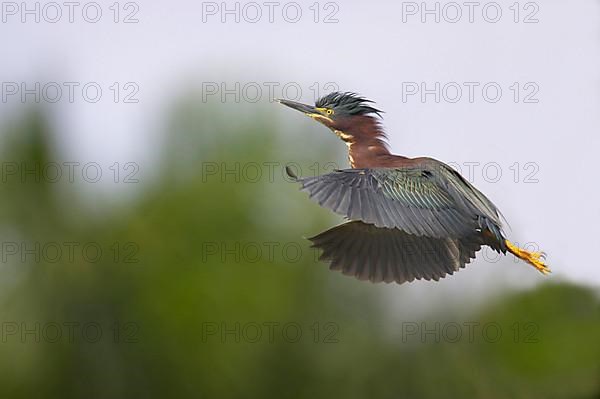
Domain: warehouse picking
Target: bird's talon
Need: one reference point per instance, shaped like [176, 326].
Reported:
[535, 259]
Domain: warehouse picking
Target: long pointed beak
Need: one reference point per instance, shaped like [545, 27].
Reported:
[306, 109]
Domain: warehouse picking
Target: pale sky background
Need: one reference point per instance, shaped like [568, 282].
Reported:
[369, 50]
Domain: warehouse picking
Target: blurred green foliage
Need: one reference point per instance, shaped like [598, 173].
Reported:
[169, 320]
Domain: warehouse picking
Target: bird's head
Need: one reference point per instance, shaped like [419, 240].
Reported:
[347, 114]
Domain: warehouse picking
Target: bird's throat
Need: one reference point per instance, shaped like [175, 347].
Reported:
[365, 141]
[370, 154]
[347, 138]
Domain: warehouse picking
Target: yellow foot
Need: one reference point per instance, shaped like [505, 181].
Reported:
[535, 259]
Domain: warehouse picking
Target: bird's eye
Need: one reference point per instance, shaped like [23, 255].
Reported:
[329, 112]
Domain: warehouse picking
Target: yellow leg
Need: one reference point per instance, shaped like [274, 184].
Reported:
[535, 259]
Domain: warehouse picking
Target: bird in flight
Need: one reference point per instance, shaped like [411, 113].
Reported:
[409, 218]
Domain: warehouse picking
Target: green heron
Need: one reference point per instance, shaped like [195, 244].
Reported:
[409, 218]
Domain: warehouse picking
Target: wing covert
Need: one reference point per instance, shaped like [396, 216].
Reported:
[412, 199]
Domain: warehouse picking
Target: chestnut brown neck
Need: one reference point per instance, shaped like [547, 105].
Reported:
[366, 141]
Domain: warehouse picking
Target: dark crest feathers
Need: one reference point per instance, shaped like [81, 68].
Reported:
[347, 103]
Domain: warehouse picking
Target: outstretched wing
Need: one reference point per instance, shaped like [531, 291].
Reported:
[424, 200]
[379, 254]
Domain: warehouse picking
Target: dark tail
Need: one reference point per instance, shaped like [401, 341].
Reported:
[380, 254]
